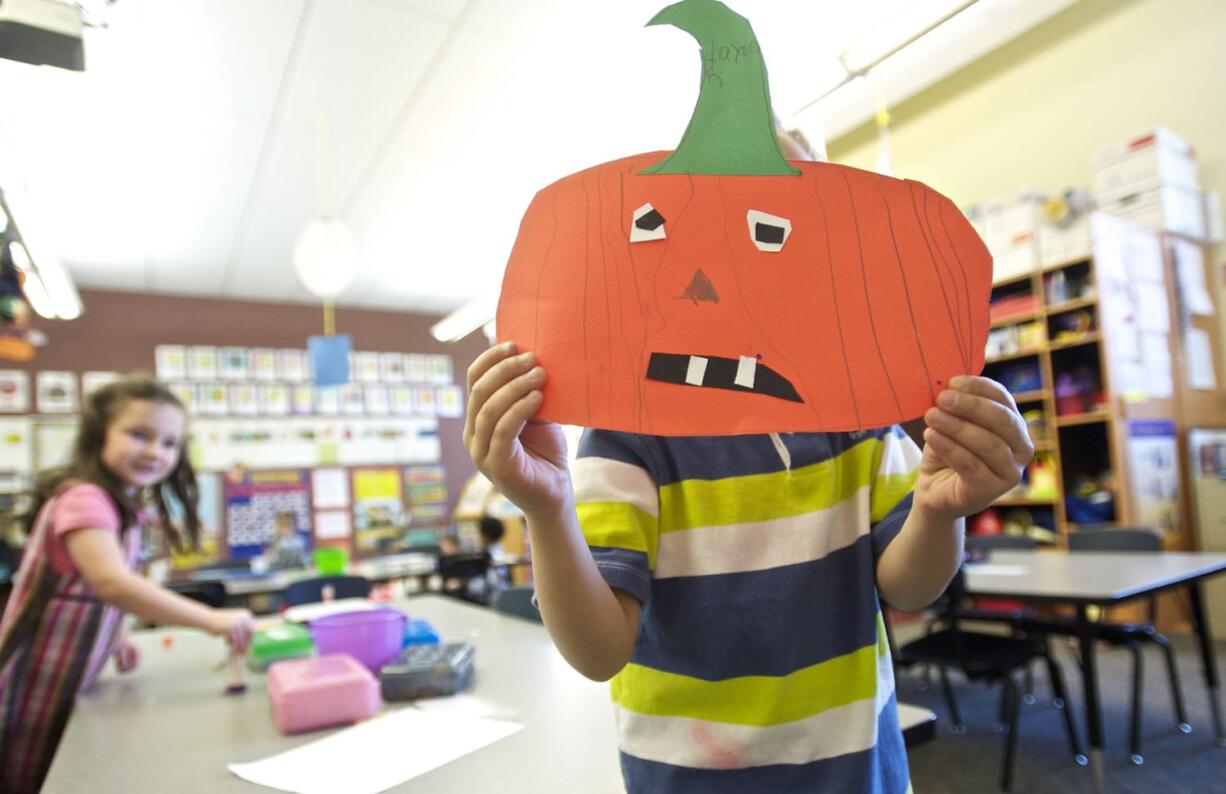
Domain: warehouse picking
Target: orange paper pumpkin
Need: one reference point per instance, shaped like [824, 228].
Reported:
[814, 297]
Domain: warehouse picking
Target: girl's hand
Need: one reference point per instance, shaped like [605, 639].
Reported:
[525, 460]
[976, 448]
[235, 625]
[127, 656]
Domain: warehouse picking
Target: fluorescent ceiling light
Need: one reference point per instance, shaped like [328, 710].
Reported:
[466, 319]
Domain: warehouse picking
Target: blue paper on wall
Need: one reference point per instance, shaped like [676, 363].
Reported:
[330, 359]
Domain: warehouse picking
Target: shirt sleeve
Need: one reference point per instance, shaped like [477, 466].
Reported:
[617, 500]
[81, 506]
[897, 466]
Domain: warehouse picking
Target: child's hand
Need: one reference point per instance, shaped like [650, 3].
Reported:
[235, 625]
[127, 656]
[525, 460]
[976, 448]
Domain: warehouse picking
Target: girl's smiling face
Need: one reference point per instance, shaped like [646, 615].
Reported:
[143, 442]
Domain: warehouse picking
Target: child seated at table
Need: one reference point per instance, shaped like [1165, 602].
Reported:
[288, 549]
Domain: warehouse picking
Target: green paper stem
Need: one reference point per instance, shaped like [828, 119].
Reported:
[732, 130]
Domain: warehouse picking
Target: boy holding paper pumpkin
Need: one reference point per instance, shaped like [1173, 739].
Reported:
[729, 584]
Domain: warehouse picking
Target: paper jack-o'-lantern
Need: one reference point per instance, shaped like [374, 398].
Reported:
[720, 289]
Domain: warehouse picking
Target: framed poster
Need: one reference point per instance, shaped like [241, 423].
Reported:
[201, 362]
[56, 392]
[233, 363]
[14, 391]
[378, 508]
[171, 362]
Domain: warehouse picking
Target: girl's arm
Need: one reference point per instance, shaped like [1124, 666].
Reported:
[96, 555]
[593, 625]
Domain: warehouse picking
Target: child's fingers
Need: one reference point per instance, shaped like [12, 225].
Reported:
[492, 379]
[476, 371]
[997, 453]
[983, 387]
[496, 406]
[977, 475]
[511, 424]
[1001, 420]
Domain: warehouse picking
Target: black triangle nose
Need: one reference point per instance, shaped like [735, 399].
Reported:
[701, 289]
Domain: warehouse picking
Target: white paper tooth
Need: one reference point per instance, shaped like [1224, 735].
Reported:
[696, 371]
[746, 369]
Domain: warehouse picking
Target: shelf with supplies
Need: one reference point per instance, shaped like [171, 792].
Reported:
[1089, 348]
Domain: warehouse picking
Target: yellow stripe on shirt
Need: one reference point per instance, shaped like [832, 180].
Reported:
[750, 700]
[760, 497]
[619, 525]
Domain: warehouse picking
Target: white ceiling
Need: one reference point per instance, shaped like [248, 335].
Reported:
[205, 133]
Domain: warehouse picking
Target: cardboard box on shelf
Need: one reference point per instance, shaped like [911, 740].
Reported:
[1144, 162]
[1063, 243]
[1164, 209]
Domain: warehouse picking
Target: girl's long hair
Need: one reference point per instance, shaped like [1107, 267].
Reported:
[100, 409]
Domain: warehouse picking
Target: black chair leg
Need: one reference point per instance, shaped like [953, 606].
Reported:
[1028, 687]
[1172, 669]
[1138, 671]
[950, 701]
[1062, 703]
[1014, 696]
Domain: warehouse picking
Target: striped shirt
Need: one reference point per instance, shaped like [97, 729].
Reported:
[761, 662]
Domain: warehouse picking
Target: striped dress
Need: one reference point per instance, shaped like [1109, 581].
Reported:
[761, 662]
[55, 638]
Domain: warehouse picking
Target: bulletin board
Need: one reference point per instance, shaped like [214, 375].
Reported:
[252, 504]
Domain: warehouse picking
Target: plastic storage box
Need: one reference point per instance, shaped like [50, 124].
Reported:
[373, 637]
[278, 643]
[317, 693]
[424, 671]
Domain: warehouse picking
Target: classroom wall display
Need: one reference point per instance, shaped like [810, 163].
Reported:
[391, 367]
[53, 442]
[263, 362]
[315, 441]
[244, 399]
[92, 380]
[303, 400]
[378, 508]
[330, 488]
[170, 362]
[275, 399]
[377, 400]
[327, 400]
[1153, 466]
[426, 495]
[233, 363]
[253, 504]
[212, 399]
[56, 392]
[332, 525]
[14, 391]
[17, 444]
[366, 367]
[449, 401]
[294, 365]
[353, 399]
[201, 362]
[208, 510]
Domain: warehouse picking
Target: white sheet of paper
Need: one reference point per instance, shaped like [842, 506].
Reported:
[1156, 355]
[1152, 310]
[333, 524]
[998, 570]
[457, 706]
[330, 488]
[1190, 270]
[1201, 374]
[376, 755]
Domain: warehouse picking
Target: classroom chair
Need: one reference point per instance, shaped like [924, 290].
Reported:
[457, 570]
[211, 594]
[517, 601]
[992, 659]
[310, 591]
[1098, 537]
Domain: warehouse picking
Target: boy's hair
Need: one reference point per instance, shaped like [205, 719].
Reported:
[100, 409]
[492, 529]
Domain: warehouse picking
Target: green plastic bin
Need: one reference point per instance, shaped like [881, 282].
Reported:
[278, 643]
[330, 561]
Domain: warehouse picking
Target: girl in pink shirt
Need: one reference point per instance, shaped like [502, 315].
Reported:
[78, 570]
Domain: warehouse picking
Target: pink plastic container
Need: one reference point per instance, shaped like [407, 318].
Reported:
[373, 637]
[320, 692]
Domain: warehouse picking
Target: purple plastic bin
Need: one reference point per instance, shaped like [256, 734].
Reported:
[372, 637]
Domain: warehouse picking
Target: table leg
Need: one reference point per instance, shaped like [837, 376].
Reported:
[1089, 680]
[1208, 658]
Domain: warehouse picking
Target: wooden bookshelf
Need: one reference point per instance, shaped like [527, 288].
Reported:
[1088, 436]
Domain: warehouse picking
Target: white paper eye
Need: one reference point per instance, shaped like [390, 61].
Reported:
[768, 232]
[647, 224]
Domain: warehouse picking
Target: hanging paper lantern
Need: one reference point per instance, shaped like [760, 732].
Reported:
[326, 257]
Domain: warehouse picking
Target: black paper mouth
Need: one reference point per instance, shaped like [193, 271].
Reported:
[744, 374]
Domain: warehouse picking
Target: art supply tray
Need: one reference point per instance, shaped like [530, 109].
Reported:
[424, 671]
